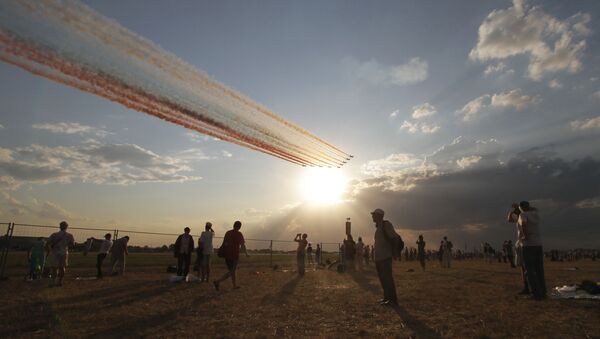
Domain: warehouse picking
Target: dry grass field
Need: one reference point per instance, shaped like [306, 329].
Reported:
[471, 300]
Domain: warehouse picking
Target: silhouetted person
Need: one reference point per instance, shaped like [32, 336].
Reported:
[447, 252]
[184, 247]
[205, 242]
[510, 253]
[533, 254]
[309, 253]
[421, 251]
[117, 255]
[513, 217]
[318, 254]
[367, 254]
[233, 241]
[105, 247]
[58, 243]
[384, 251]
[360, 249]
[350, 253]
[301, 252]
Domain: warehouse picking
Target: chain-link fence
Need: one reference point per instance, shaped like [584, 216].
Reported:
[17, 239]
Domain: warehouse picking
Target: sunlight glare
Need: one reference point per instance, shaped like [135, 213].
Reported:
[323, 186]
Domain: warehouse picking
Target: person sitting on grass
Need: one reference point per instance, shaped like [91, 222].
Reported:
[232, 242]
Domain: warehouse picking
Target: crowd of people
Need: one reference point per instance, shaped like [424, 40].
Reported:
[526, 253]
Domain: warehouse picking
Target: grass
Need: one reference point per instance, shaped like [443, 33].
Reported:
[471, 300]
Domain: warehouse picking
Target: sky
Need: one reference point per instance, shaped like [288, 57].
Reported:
[452, 110]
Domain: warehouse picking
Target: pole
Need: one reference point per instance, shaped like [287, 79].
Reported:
[271, 254]
[9, 232]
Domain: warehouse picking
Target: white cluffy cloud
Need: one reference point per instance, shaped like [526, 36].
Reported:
[403, 171]
[554, 83]
[498, 68]
[416, 127]
[414, 71]
[511, 99]
[552, 45]
[120, 164]
[1, 126]
[583, 124]
[70, 128]
[423, 110]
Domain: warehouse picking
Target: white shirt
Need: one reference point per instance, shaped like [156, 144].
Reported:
[529, 225]
[105, 246]
[206, 238]
[60, 242]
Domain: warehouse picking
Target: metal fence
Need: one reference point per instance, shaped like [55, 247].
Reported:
[20, 237]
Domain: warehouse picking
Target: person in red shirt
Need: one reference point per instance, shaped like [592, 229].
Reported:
[233, 241]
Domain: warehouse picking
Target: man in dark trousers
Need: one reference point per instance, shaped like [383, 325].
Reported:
[184, 247]
[384, 251]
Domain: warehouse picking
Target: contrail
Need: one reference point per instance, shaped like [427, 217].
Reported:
[68, 42]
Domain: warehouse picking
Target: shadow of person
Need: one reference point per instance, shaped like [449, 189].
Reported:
[285, 292]
[420, 328]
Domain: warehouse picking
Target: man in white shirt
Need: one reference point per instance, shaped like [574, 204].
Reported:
[206, 244]
[58, 244]
[184, 246]
[533, 254]
[513, 217]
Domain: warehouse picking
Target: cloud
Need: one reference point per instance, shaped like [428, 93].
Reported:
[472, 109]
[423, 110]
[585, 124]
[374, 73]
[589, 203]
[514, 99]
[226, 154]
[70, 128]
[121, 164]
[1, 127]
[596, 94]
[551, 44]
[554, 83]
[50, 210]
[498, 68]
[416, 127]
[469, 161]
[394, 114]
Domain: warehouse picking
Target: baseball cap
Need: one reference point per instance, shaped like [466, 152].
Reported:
[378, 211]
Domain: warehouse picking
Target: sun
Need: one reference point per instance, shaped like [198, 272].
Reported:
[323, 186]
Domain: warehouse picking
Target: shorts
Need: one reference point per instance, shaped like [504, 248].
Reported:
[231, 264]
[59, 260]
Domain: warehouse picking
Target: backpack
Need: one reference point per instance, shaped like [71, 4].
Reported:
[396, 242]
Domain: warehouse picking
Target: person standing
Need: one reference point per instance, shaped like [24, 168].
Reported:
[102, 253]
[232, 243]
[366, 254]
[533, 254]
[206, 244]
[301, 252]
[447, 252]
[58, 244]
[184, 246]
[117, 255]
[384, 251]
[349, 253]
[37, 259]
[318, 252]
[309, 253]
[513, 217]
[421, 251]
[360, 248]
[510, 253]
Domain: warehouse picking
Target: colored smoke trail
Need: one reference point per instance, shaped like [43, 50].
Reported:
[68, 42]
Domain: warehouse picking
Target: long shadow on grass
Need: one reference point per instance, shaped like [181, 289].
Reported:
[417, 326]
[284, 293]
[476, 280]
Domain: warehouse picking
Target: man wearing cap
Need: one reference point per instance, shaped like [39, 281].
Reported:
[384, 237]
[184, 246]
[533, 255]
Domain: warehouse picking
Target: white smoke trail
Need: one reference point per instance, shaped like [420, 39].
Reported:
[70, 43]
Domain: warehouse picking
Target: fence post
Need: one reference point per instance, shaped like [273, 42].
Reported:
[271, 254]
[5, 250]
[115, 235]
